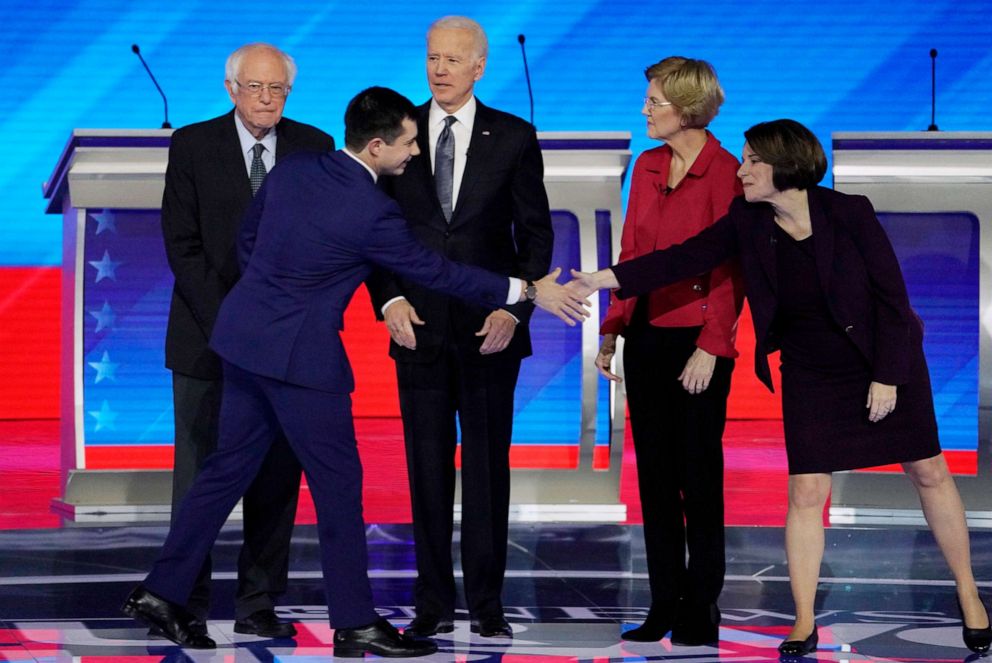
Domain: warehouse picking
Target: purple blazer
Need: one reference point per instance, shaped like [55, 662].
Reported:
[858, 270]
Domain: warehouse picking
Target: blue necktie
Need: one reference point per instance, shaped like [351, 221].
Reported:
[444, 167]
[257, 168]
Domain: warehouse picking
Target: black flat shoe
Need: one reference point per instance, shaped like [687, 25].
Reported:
[264, 623]
[380, 638]
[977, 640]
[491, 626]
[426, 626]
[800, 647]
[174, 621]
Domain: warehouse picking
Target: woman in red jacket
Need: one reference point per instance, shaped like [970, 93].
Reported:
[679, 353]
[825, 288]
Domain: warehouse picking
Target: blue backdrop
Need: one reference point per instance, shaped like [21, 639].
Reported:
[836, 66]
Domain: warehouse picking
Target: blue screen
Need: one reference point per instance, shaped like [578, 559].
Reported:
[835, 66]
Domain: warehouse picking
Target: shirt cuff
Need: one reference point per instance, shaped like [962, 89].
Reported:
[390, 303]
[513, 294]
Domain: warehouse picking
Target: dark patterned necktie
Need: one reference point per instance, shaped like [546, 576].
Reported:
[257, 168]
[444, 167]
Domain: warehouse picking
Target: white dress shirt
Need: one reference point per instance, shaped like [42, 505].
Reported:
[248, 143]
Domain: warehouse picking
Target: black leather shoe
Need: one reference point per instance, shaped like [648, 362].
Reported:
[977, 640]
[266, 624]
[492, 626]
[697, 625]
[424, 626]
[196, 626]
[175, 622]
[380, 638]
[800, 647]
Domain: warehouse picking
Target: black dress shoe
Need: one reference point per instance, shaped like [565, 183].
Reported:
[977, 640]
[800, 647]
[380, 638]
[175, 622]
[424, 626]
[697, 625]
[492, 626]
[266, 624]
[197, 626]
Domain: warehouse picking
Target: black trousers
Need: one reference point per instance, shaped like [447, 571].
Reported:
[481, 396]
[269, 506]
[678, 441]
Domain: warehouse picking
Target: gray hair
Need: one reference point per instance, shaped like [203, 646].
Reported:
[463, 23]
[233, 65]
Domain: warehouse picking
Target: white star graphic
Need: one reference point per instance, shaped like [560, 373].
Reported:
[104, 221]
[105, 267]
[104, 417]
[105, 317]
[104, 368]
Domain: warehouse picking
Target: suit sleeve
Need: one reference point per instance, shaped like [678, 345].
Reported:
[894, 318]
[726, 288]
[532, 231]
[197, 282]
[381, 283]
[391, 246]
[697, 255]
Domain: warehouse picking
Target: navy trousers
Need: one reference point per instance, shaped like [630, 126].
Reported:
[321, 432]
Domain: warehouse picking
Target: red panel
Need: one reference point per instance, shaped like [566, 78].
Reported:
[749, 399]
[367, 343]
[29, 342]
[157, 457]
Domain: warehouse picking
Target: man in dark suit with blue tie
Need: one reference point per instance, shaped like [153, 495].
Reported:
[312, 234]
[215, 167]
[478, 198]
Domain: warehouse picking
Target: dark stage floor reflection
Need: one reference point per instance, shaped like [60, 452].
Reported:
[885, 595]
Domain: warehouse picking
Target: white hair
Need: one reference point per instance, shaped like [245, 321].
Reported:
[463, 23]
[233, 65]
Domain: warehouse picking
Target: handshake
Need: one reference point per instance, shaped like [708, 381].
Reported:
[569, 301]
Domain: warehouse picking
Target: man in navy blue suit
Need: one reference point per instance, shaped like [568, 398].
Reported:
[313, 233]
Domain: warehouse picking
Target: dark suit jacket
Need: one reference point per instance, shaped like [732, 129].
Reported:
[501, 222]
[206, 193]
[858, 271]
[311, 236]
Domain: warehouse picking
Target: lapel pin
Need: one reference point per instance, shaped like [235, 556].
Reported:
[485, 133]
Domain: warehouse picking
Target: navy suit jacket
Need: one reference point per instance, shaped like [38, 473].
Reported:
[501, 222]
[206, 193]
[858, 271]
[312, 234]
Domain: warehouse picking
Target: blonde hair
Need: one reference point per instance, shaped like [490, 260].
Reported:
[691, 86]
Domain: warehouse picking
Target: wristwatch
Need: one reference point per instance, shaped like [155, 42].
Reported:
[530, 292]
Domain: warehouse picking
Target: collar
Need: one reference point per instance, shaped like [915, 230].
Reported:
[248, 141]
[375, 176]
[465, 115]
[705, 156]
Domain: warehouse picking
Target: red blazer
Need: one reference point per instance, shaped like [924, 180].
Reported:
[656, 220]
[858, 270]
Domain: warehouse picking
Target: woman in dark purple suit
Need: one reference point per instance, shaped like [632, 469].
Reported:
[825, 288]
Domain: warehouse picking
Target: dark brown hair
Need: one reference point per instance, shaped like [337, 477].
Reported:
[793, 152]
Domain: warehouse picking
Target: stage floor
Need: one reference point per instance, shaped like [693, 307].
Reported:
[885, 595]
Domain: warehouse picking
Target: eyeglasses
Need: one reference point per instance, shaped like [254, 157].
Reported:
[654, 104]
[255, 88]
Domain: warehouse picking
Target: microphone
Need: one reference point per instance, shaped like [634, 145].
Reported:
[137, 51]
[530, 91]
[933, 90]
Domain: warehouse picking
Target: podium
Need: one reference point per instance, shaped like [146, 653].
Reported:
[933, 194]
[117, 395]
